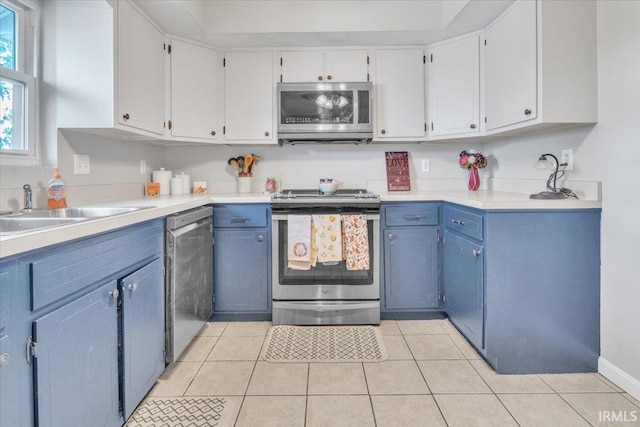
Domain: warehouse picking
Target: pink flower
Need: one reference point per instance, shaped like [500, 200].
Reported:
[463, 160]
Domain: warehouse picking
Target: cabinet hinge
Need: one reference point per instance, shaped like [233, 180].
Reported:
[368, 77]
[224, 62]
[424, 59]
[164, 125]
[485, 119]
[164, 271]
[431, 58]
[169, 125]
[281, 61]
[169, 49]
[367, 59]
[32, 350]
[425, 127]
[280, 78]
[444, 298]
[485, 42]
[432, 126]
[224, 130]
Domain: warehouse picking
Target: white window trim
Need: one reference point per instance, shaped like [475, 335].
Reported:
[27, 34]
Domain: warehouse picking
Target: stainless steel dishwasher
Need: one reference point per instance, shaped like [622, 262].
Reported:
[189, 285]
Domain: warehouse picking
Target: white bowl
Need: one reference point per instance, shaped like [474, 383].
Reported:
[328, 187]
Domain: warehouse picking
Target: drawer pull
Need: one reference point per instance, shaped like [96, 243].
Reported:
[476, 252]
[412, 217]
[457, 221]
[239, 219]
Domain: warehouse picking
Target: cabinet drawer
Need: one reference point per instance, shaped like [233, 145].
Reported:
[240, 216]
[464, 222]
[70, 267]
[411, 214]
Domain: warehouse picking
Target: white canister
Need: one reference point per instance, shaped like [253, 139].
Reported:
[245, 183]
[176, 186]
[164, 178]
[186, 183]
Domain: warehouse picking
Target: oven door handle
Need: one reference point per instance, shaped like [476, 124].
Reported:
[283, 217]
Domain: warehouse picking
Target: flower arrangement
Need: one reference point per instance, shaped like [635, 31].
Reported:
[472, 161]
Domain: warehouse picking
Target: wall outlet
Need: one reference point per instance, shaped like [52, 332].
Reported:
[567, 157]
[426, 165]
[143, 167]
[81, 164]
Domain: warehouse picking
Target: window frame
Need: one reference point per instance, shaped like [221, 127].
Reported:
[26, 65]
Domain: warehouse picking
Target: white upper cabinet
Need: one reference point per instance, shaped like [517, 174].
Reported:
[194, 94]
[314, 66]
[399, 86]
[140, 71]
[248, 98]
[454, 88]
[511, 67]
[94, 39]
[540, 66]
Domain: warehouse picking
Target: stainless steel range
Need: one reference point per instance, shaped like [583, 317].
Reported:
[337, 280]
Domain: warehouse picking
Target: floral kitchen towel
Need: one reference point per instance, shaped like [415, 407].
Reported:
[327, 238]
[299, 242]
[355, 238]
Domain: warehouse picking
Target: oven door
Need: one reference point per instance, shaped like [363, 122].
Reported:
[324, 282]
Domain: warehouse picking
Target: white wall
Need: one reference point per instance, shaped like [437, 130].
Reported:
[607, 152]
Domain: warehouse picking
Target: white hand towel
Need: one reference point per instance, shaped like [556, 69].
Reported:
[328, 237]
[299, 242]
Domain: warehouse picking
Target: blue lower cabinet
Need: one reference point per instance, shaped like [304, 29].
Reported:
[242, 270]
[464, 286]
[142, 317]
[77, 364]
[410, 268]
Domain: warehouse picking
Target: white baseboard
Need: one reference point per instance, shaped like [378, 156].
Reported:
[619, 377]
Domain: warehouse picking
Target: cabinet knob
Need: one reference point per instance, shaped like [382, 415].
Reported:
[4, 360]
[319, 77]
[125, 116]
[383, 131]
[213, 133]
[476, 252]
[391, 236]
[132, 287]
[329, 77]
[114, 294]
[472, 126]
[527, 112]
[266, 134]
[260, 238]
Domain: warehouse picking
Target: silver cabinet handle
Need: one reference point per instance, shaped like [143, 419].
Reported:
[132, 286]
[239, 219]
[412, 217]
[391, 236]
[476, 252]
[260, 238]
[114, 294]
[457, 221]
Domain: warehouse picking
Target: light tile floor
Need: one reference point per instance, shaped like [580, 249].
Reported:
[433, 378]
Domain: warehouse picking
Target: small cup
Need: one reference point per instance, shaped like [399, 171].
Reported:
[245, 182]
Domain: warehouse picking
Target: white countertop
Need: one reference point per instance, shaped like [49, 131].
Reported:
[166, 205]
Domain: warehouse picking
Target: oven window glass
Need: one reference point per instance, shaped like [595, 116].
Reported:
[322, 274]
[317, 107]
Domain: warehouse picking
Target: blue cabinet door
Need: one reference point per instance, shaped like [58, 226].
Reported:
[242, 270]
[142, 332]
[77, 363]
[464, 286]
[411, 268]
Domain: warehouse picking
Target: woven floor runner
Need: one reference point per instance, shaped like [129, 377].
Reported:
[324, 344]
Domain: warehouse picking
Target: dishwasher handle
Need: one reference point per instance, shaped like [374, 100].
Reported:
[207, 222]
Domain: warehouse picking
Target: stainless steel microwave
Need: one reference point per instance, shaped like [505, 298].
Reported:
[325, 112]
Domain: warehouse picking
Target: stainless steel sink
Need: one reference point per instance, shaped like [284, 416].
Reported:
[22, 224]
[39, 219]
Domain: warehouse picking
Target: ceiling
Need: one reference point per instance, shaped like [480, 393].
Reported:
[315, 23]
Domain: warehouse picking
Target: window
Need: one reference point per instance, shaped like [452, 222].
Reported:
[17, 82]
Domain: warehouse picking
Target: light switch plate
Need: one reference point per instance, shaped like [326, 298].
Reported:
[81, 164]
[426, 165]
[143, 167]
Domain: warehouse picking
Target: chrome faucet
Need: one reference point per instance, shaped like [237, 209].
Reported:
[28, 204]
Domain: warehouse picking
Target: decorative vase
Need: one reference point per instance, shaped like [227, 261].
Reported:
[474, 179]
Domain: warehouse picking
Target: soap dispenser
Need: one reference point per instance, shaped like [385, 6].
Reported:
[57, 194]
